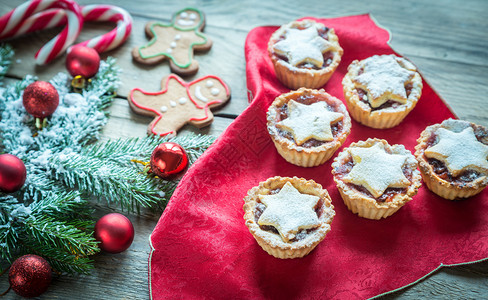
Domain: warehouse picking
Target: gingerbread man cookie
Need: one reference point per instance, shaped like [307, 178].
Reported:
[175, 42]
[180, 103]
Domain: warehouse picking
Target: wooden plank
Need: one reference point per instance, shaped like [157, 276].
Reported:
[462, 282]
[459, 84]
[452, 23]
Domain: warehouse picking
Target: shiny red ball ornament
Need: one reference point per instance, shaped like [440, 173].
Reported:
[115, 233]
[40, 99]
[12, 173]
[30, 275]
[169, 160]
[82, 61]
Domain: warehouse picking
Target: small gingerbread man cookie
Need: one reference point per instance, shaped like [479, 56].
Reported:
[175, 42]
[180, 103]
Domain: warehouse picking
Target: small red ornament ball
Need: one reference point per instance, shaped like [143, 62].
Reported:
[169, 160]
[115, 233]
[30, 275]
[40, 99]
[82, 61]
[12, 173]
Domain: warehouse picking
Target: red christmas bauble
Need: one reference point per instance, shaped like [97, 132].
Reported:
[82, 61]
[30, 275]
[115, 233]
[12, 173]
[40, 99]
[169, 160]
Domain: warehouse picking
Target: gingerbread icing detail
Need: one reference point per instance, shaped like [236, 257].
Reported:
[176, 42]
[177, 104]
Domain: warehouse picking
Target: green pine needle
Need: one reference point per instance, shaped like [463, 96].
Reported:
[36, 189]
[46, 230]
[123, 150]
[107, 170]
[51, 215]
[60, 259]
[62, 206]
[8, 237]
[106, 179]
[6, 54]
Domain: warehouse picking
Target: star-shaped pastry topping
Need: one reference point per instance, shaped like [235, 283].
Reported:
[459, 151]
[305, 122]
[377, 170]
[303, 46]
[384, 79]
[289, 211]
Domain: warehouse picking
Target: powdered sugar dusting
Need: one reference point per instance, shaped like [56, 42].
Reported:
[289, 211]
[377, 170]
[303, 46]
[309, 121]
[459, 151]
[383, 78]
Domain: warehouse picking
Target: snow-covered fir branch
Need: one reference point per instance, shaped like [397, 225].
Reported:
[6, 54]
[51, 214]
[125, 150]
[47, 217]
[105, 179]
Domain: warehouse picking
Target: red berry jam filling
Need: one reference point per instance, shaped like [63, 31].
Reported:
[328, 58]
[260, 208]
[363, 96]
[442, 172]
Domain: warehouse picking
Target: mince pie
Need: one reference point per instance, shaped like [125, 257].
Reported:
[304, 54]
[307, 126]
[381, 90]
[375, 179]
[453, 158]
[288, 217]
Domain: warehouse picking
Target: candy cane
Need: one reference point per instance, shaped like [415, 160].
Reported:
[57, 17]
[115, 37]
[42, 20]
[12, 23]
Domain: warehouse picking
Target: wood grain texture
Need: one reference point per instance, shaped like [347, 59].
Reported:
[447, 40]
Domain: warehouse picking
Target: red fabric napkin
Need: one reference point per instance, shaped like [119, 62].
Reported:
[202, 248]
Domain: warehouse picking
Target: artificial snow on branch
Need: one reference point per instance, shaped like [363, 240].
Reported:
[6, 54]
[67, 169]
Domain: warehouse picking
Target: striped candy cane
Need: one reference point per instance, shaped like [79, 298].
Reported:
[57, 17]
[39, 21]
[11, 24]
[115, 37]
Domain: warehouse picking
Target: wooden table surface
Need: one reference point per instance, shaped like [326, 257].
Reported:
[447, 40]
